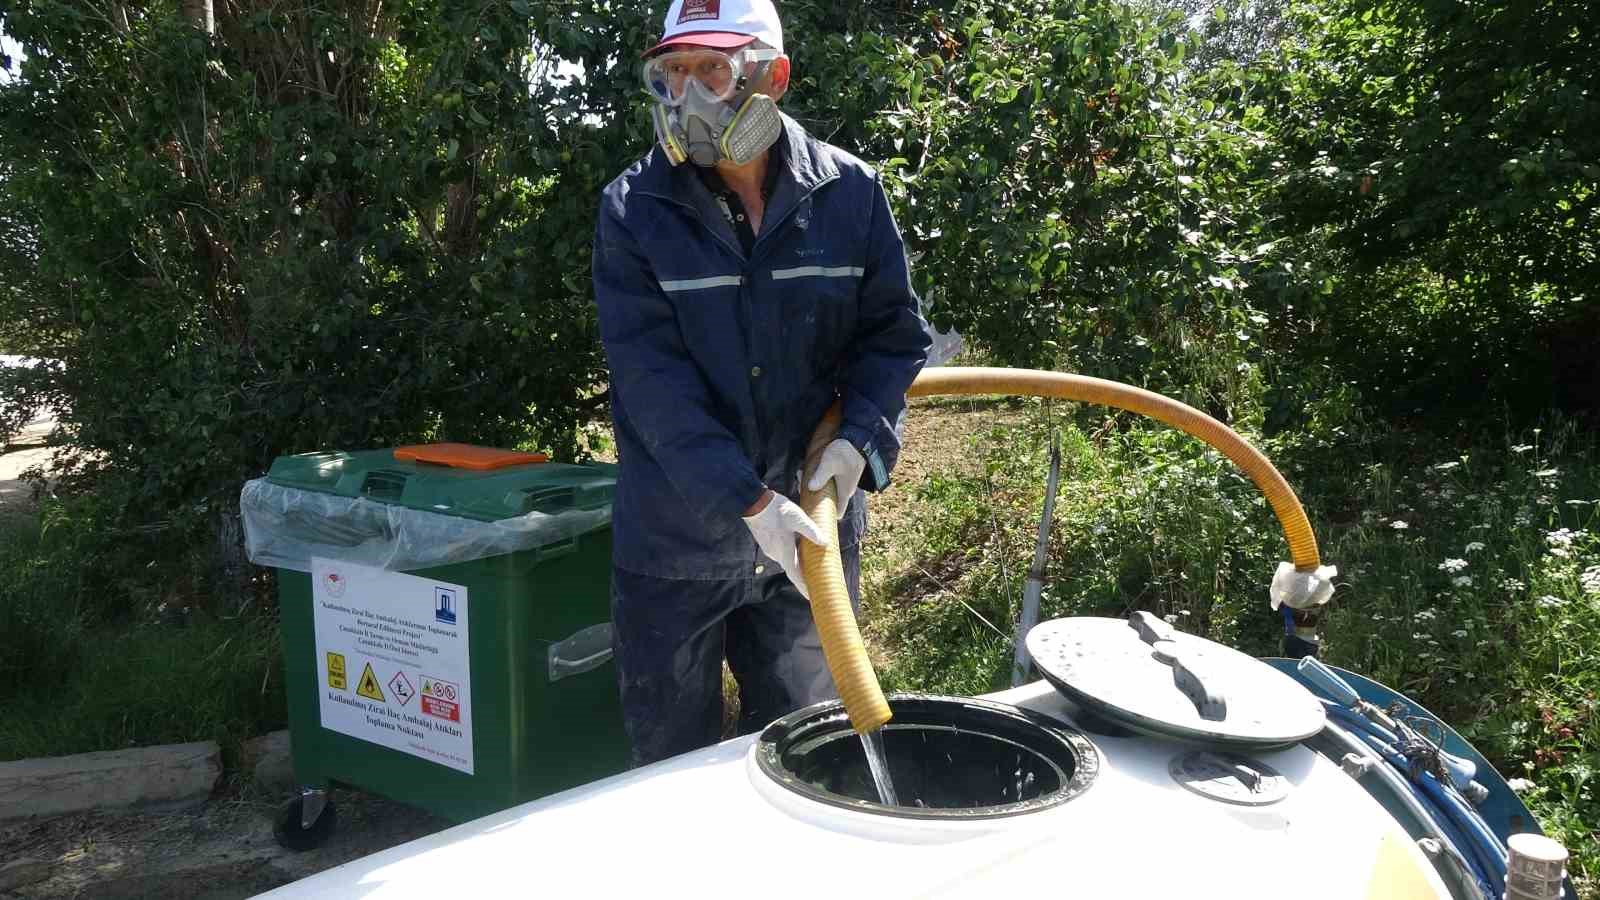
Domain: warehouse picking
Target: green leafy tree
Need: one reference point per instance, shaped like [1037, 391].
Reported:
[1439, 162]
[313, 227]
[1236, 31]
[1067, 203]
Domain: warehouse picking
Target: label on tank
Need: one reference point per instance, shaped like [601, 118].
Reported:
[392, 664]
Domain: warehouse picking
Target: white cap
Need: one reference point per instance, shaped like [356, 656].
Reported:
[725, 24]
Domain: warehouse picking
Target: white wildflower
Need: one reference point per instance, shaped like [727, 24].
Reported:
[1459, 632]
[1522, 448]
[1547, 473]
[1590, 579]
[1549, 601]
[1462, 581]
[1483, 527]
[1524, 518]
[1399, 525]
[1513, 584]
[1419, 635]
[1579, 504]
[1425, 615]
[1560, 541]
[1453, 565]
[1446, 466]
[1520, 785]
[1474, 547]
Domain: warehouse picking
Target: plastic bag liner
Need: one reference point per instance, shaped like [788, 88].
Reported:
[285, 526]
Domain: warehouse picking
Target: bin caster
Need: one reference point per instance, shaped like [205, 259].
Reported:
[307, 821]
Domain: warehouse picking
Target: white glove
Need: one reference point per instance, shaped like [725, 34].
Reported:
[1302, 590]
[776, 530]
[842, 462]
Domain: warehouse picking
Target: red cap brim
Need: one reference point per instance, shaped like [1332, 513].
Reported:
[720, 40]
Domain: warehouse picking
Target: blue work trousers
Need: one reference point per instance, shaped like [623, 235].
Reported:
[670, 635]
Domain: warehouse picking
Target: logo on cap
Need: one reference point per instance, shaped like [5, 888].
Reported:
[696, 10]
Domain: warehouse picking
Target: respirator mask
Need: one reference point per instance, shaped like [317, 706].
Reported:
[706, 108]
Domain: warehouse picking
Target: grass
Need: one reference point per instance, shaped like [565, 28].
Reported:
[1469, 573]
[97, 657]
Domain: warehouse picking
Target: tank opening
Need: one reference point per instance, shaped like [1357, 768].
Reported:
[950, 758]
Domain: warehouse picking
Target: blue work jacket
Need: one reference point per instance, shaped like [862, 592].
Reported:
[722, 363]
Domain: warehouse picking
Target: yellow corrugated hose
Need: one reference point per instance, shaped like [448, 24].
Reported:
[830, 601]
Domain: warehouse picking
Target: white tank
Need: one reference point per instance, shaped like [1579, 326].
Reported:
[712, 823]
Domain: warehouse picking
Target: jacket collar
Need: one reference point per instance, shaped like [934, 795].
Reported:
[807, 166]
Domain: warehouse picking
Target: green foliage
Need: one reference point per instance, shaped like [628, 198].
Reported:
[214, 679]
[1236, 31]
[318, 228]
[1474, 585]
[1065, 203]
[1434, 165]
[76, 674]
[323, 227]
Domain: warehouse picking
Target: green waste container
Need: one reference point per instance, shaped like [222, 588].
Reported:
[446, 626]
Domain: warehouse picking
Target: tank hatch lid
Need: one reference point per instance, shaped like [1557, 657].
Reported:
[1144, 675]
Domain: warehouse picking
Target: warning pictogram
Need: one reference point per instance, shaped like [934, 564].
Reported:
[336, 671]
[439, 699]
[401, 686]
[368, 685]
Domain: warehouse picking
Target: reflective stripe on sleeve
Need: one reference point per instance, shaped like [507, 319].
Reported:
[698, 284]
[818, 272]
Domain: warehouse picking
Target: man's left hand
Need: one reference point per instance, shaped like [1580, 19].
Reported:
[842, 462]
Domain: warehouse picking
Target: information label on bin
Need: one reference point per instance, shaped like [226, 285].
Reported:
[392, 660]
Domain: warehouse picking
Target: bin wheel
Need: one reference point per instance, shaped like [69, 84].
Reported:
[293, 836]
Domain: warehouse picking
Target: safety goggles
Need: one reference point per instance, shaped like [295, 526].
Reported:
[717, 74]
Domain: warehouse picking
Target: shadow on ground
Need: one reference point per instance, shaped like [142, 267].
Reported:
[222, 851]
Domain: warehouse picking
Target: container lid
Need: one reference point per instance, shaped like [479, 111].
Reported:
[481, 483]
[1144, 675]
[467, 456]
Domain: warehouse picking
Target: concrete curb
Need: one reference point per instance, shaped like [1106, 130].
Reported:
[270, 761]
[172, 775]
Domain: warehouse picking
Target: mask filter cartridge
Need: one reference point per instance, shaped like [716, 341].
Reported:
[755, 127]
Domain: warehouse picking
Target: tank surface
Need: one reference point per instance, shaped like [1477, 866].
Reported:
[713, 823]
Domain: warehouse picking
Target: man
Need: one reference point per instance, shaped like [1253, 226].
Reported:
[746, 275]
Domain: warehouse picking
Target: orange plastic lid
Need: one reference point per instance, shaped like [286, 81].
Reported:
[467, 456]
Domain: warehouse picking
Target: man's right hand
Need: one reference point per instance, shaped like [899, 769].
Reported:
[777, 524]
